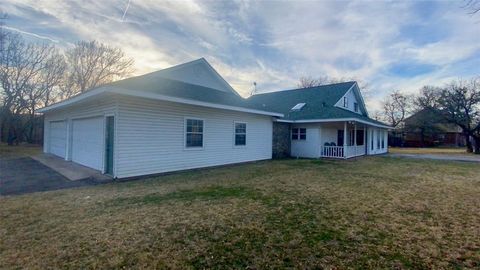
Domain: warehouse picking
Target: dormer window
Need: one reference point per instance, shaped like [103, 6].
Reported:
[298, 107]
[345, 102]
[355, 106]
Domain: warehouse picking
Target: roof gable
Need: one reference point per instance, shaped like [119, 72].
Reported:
[198, 72]
[353, 96]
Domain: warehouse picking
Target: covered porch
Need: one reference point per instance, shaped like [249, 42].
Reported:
[338, 139]
[343, 140]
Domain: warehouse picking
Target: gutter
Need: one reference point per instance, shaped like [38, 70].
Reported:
[127, 92]
[333, 120]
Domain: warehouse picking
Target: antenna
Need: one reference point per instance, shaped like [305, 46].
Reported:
[254, 89]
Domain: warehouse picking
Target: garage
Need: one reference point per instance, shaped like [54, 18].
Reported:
[57, 138]
[87, 142]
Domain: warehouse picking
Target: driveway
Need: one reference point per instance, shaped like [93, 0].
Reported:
[464, 158]
[26, 175]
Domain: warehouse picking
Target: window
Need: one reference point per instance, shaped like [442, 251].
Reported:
[194, 133]
[378, 139]
[345, 102]
[240, 134]
[359, 137]
[299, 133]
[352, 137]
[383, 140]
[355, 106]
[298, 107]
[371, 140]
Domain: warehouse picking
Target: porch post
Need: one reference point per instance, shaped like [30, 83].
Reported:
[355, 138]
[365, 139]
[345, 139]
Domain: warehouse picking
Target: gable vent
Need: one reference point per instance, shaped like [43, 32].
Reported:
[298, 107]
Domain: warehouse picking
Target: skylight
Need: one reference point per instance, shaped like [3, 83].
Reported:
[298, 107]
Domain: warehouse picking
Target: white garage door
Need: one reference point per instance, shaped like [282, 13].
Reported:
[57, 138]
[87, 142]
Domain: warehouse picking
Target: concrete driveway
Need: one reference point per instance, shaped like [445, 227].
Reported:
[464, 158]
[26, 175]
[31, 171]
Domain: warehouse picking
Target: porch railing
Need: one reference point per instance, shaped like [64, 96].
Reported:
[353, 151]
[342, 152]
[332, 151]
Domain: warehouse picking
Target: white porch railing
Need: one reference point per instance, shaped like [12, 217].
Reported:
[342, 152]
[355, 150]
[332, 151]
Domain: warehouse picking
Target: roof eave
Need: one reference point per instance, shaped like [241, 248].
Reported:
[127, 92]
[334, 120]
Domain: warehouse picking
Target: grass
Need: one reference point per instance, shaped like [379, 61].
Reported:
[15, 151]
[375, 212]
[436, 150]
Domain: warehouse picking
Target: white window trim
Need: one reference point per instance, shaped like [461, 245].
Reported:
[298, 137]
[185, 147]
[235, 133]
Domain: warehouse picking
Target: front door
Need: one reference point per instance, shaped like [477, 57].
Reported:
[109, 139]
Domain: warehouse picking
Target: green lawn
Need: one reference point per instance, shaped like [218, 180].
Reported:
[375, 212]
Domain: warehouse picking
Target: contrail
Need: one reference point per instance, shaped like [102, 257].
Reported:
[126, 9]
[30, 34]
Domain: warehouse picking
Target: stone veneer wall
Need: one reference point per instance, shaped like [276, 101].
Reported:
[281, 140]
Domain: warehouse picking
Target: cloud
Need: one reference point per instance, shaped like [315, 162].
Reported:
[391, 45]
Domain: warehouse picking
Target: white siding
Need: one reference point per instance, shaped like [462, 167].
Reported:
[309, 148]
[351, 100]
[101, 106]
[151, 137]
[198, 73]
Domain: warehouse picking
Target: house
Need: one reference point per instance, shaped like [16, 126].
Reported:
[426, 128]
[188, 116]
[324, 121]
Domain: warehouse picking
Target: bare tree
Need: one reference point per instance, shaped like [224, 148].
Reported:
[395, 108]
[427, 98]
[309, 81]
[92, 64]
[457, 103]
[28, 74]
[473, 6]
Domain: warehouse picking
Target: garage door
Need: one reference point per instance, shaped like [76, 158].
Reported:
[87, 142]
[57, 138]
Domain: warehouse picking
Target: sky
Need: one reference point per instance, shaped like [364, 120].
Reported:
[391, 45]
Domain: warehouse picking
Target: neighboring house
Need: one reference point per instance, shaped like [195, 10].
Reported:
[188, 116]
[426, 128]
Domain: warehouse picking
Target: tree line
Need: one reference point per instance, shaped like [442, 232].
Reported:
[457, 103]
[35, 75]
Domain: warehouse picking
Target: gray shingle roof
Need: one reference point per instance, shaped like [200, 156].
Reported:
[320, 103]
[168, 87]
